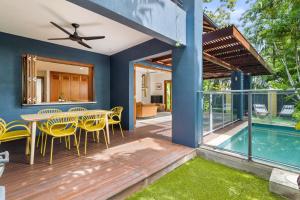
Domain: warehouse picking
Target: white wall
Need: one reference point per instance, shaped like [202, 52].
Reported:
[159, 78]
[151, 80]
[138, 87]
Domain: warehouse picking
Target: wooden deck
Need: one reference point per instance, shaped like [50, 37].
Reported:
[99, 175]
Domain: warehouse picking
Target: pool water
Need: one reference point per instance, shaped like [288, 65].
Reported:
[273, 143]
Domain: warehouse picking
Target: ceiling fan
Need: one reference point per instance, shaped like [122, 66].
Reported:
[75, 37]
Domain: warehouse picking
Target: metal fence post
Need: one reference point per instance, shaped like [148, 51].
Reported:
[210, 113]
[249, 126]
[223, 110]
[231, 102]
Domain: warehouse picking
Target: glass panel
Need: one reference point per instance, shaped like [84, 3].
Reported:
[227, 108]
[274, 135]
[275, 138]
[217, 110]
[206, 113]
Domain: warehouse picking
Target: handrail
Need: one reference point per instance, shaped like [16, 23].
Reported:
[249, 91]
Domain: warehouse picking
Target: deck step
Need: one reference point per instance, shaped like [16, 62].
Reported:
[149, 179]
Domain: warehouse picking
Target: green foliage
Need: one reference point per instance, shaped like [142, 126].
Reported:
[274, 27]
[202, 179]
[221, 16]
[216, 84]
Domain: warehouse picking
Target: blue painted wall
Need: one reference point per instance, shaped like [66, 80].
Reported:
[187, 78]
[162, 19]
[247, 86]
[11, 49]
[237, 83]
[122, 76]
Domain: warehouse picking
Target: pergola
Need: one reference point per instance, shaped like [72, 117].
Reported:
[225, 50]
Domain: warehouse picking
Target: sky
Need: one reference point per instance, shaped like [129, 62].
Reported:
[240, 8]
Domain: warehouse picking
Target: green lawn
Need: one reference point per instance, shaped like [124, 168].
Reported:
[202, 179]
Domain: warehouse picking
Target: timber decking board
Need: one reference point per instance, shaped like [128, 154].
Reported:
[98, 175]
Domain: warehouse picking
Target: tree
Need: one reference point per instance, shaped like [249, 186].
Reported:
[221, 16]
[274, 27]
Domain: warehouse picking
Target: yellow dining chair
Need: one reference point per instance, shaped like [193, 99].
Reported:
[76, 109]
[93, 123]
[115, 118]
[61, 125]
[41, 125]
[14, 130]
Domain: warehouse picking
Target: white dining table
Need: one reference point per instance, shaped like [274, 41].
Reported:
[32, 119]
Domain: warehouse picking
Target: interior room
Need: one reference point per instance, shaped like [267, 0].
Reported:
[153, 94]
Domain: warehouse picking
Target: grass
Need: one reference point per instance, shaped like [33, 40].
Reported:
[202, 179]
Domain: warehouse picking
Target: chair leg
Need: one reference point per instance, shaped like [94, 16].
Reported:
[74, 140]
[69, 140]
[104, 133]
[45, 144]
[38, 140]
[98, 136]
[112, 128]
[51, 154]
[85, 142]
[121, 130]
[42, 143]
[94, 137]
[79, 137]
[76, 144]
[66, 142]
[27, 150]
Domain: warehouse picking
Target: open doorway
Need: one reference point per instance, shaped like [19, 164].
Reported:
[152, 95]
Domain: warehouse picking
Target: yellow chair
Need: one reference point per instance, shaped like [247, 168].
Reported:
[115, 118]
[91, 123]
[76, 109]
[41, 125]
[61, 125]
[14, 130]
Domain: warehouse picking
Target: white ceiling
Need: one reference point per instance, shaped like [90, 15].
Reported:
[30, 18]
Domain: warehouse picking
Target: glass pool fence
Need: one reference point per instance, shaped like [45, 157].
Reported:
[255, 124]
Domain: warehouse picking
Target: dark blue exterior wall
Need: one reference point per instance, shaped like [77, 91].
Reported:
[11, 49]
[122, 76]
[247, 86]
[237, 83]
[187, 78]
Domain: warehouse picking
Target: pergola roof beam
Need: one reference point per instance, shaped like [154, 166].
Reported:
[219, 62]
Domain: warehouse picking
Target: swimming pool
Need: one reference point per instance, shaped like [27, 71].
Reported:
[273, 143]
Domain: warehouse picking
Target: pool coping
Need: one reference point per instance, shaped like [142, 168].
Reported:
[226, 135]
[260, 168]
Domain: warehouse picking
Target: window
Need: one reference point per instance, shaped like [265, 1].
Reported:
[47, 80]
